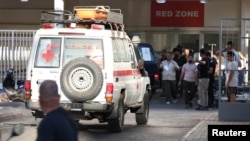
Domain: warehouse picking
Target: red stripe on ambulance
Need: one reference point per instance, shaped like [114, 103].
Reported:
[126, 72]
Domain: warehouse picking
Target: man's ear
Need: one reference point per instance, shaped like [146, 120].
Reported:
[40, 99]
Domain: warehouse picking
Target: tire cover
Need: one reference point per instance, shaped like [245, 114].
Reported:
[81, 79]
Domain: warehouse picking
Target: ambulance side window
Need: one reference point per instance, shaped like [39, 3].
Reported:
[132, 55]
[125, 48]
[116, 50]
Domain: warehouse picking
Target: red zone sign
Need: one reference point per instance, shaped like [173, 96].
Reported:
[177, 14]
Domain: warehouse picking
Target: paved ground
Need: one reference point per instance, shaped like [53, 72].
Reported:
[197, 133]
[7, 112]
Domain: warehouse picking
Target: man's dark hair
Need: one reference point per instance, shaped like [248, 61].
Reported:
[230, 53]
[177, 49]
[230, 43]
[208, 54]
[203, 51]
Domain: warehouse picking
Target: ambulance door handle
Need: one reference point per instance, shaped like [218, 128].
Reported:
[116, 79]
[54, 71]
[39, 81]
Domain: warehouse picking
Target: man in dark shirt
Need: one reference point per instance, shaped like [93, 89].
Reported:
[58, 124]
[211, 71]
[203, 66]
[180, 60]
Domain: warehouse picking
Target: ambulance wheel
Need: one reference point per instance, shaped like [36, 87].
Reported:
[142, 117]
[117, 124]
[81, 79]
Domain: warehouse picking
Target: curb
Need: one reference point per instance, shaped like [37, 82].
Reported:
[189, 136]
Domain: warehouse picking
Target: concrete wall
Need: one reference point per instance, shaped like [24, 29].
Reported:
[26, 15]
[17, 15]
[217, 9]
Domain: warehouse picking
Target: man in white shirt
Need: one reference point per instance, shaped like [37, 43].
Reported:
[169, 68]
[232, 77]
[189, 77]
[229, 47]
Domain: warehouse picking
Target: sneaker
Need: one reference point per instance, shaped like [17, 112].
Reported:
[202, 108]
[167, 102]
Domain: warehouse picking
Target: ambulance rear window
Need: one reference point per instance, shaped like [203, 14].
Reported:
[48, 52]
[85, 48]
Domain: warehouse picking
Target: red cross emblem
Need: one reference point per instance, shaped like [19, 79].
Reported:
[48, 55]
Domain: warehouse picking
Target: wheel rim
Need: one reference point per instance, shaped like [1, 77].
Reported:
[81, 79]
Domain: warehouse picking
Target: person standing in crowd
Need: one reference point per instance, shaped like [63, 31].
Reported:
[232, 77]
[180, 60]
[242, 69]
[58, 124]
[186, 53]
[163, 57]
[169, 68]
[211, 72]
[203, 66]
[189, 77]
[229, 47]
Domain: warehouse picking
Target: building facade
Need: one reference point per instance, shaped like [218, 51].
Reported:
[186, 22]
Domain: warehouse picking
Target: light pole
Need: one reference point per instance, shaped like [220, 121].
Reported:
[58, 4]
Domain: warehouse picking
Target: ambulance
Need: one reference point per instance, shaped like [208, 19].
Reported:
[94, 62]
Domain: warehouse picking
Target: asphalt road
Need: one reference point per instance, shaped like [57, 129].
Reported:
[166, 123]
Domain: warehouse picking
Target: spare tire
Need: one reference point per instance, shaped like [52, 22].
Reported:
[81, 79]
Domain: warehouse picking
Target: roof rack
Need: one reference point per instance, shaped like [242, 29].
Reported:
[86, 15]
[98, 14]
[57, 16]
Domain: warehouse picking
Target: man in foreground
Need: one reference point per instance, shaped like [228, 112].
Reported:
[58, 124]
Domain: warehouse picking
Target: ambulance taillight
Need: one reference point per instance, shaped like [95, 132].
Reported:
[109, 92]
[48, 25]
[27, 88]
[97, 27]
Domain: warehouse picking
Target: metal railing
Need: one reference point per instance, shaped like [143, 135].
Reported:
[15, 47]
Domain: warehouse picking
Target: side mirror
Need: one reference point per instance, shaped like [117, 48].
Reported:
[17, 130]
[141, 64]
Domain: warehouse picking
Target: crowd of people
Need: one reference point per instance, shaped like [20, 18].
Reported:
[184, 76]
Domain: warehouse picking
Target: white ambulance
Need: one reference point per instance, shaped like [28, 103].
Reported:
[94, 63]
